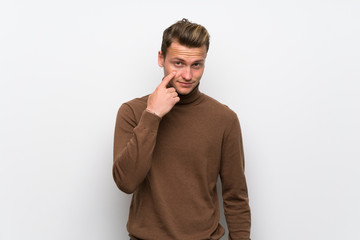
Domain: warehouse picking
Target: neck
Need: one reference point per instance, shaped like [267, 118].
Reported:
[191, 97]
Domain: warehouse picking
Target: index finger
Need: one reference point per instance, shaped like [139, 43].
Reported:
[167, 79]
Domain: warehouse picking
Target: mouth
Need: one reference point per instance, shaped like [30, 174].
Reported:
[186, 84]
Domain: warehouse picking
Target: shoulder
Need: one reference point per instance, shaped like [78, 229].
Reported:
[224, 116]
[137, 102]
[219, 109]
[134, 107]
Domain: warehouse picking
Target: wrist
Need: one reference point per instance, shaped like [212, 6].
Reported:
[152, 112]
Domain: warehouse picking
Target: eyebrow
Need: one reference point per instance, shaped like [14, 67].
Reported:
[182, 60]
[178, 59]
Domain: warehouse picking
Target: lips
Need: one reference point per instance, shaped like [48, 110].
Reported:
[185, 84]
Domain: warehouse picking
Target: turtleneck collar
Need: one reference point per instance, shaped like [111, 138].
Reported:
[191, 97]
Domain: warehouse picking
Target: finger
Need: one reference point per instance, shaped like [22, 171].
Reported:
[167, 79]
[171, 90]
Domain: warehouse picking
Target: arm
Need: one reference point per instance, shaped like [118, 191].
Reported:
[134, 142]
[234, 189]
[133, 147]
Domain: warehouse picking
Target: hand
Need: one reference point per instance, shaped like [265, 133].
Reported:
[163, 99]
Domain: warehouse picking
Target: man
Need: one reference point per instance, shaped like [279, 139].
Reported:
[171, 146]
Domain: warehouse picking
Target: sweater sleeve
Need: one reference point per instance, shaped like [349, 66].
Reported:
[134, 143]
[234, 188]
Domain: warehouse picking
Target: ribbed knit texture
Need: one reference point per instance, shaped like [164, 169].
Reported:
[171, 165]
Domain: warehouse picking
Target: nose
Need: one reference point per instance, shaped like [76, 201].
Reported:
[186, 74]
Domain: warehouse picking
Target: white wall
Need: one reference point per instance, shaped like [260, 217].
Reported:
[290, 69]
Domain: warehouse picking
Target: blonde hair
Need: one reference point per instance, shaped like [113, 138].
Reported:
[186, 33]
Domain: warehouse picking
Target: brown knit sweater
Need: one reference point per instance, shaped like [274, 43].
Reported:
[171, 166]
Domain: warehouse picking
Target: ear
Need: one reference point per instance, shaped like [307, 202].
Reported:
[161, 59]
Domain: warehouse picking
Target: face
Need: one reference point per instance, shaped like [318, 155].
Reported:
[188, 63]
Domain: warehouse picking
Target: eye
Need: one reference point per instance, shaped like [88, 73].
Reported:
[178, 64]
[197, 65]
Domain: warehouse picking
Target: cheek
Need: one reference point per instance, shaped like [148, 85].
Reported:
[169, 66]
[198, 74]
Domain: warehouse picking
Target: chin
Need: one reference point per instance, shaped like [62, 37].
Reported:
[184, 91]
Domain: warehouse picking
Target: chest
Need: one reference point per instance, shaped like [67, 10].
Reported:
[192, 134]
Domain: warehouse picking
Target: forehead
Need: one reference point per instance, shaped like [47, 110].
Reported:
[178, 50]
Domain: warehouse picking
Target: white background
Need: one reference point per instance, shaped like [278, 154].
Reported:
[290, 69]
